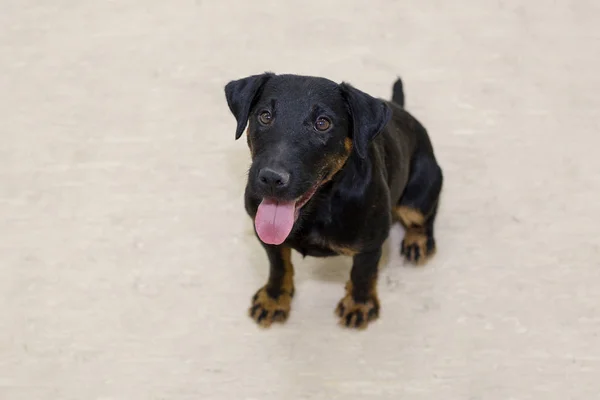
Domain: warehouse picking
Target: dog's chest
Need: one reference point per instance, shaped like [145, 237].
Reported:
[327, 230]
[323, 241]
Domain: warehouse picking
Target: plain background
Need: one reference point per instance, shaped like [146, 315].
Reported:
[127, 261]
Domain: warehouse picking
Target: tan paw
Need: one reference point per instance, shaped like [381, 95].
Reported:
[355, 314]
[265, 309]
[417, 247]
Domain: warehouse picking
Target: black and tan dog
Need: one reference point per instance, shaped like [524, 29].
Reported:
[332, 168]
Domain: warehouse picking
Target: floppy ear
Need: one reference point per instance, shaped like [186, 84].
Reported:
[369, 116]
[241, 95]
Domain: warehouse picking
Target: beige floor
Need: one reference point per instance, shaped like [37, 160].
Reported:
[127, 261]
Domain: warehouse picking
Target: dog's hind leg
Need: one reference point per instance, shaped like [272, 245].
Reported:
[417, 208]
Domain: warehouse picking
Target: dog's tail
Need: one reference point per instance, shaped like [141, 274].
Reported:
[398, 93]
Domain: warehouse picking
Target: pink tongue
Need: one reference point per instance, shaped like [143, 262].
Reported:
[274, 220]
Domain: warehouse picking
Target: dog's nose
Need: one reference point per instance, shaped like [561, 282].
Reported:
[273, 179]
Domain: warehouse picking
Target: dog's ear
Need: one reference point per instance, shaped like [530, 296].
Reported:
[369, 117]
[241, 95]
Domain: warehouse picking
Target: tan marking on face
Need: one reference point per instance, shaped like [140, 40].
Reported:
[336, 162]
[348, 145]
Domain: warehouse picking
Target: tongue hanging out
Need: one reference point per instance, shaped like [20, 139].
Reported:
[274, 220]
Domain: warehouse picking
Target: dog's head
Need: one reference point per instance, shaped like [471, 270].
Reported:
[301, 131]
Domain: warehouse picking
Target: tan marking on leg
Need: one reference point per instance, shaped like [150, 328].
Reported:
[287, 283]
[265, 309]
[409, 216]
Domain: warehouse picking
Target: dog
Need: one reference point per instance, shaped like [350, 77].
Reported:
[332, 168]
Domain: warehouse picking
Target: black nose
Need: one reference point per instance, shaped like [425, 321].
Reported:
[273, 179]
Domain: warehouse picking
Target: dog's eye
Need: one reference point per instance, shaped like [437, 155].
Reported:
[265, 117]
[322, 124]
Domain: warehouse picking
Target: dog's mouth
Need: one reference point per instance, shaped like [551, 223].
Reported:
[275, 219]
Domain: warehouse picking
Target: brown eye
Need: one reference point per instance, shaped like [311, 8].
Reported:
[322, 124]
[265, 117]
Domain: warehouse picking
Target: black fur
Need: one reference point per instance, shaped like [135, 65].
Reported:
[391, 164]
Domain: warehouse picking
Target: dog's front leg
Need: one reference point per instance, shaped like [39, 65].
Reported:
[272, 302]
[361, 304]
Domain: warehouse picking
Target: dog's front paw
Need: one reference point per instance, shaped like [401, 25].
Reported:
[417, 247]
[266, 309]
[357, 314]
